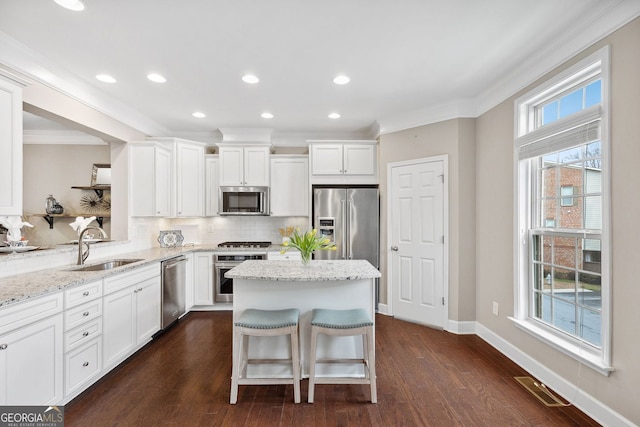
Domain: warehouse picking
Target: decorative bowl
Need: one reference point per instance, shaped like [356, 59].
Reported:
[17, 243]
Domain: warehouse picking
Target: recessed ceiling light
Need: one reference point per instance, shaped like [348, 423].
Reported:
[106, 78]
[75, 5]
[199, 115]
[334, 116]
[156, 78]
[266, 115]
[250, 78]
[341, 80]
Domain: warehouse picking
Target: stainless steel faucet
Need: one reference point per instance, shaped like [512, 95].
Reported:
[82, 255]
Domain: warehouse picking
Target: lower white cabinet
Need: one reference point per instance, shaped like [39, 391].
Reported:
[31, 354]
[290, 255]
[203, 278]
[81, 366]
[131, 313]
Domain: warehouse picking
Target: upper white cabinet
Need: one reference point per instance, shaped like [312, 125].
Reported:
[211, 173]
[189, 179]
[348, 163]
[10, 147]
[247, 165]
[290, 185]
[149, 179]
[166, 178]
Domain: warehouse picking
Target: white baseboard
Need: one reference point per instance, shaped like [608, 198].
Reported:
[383, 309]
[586, 403]
[461, 328]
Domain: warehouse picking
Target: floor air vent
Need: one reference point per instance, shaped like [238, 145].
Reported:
[540, 391]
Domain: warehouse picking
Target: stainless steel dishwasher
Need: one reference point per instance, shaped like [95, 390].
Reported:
[174, 272]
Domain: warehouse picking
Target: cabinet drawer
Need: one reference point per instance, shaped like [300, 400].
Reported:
[81, 294]
[82, 334]
[18, 315]
[289, 255]
[121, 281]
[81, 365]
[81, 314]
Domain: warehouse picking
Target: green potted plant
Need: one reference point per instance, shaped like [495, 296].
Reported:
[306, 243]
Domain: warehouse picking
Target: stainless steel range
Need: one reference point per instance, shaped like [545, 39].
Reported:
[224, 262]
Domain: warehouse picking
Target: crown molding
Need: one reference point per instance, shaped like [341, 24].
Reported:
[427, 115]
[60, 137]
[37, 68]
[599, 23]
[586, 31]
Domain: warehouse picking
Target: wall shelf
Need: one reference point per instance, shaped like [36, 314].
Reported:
[50, 217]
[99, 189]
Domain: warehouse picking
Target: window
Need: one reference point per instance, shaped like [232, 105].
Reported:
[566, 191]
[562, 278]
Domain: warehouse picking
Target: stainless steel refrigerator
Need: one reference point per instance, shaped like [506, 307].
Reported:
[350, 217]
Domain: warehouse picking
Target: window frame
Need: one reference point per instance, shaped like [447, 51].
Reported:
[527, 129]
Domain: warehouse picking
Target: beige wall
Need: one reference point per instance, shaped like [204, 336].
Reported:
[54, 169]
[494, 227]
[455, 138]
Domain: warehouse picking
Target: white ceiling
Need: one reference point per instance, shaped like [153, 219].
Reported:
[410, 61]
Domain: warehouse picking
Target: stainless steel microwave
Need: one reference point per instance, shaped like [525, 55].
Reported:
[243, 200]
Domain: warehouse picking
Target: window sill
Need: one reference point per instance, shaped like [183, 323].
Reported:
[586, 357]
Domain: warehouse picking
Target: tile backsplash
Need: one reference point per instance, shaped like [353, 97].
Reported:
[214, 230]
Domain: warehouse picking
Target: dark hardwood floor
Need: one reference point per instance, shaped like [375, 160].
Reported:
[426, 377]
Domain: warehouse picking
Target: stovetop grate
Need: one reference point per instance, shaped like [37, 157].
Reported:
[244, 244]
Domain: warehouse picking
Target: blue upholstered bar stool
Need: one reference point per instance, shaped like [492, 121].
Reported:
[343, 323]
[265, 323]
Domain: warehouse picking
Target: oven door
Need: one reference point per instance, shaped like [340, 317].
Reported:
[224, 287]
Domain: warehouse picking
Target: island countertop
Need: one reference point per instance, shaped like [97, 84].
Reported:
[318, 270]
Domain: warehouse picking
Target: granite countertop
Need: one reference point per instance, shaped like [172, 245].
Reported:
[20, 287]
[24, 286]
[318, 270]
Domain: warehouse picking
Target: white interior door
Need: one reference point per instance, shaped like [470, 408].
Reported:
[417, 240]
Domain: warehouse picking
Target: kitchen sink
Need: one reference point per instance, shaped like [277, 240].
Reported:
[107, 265]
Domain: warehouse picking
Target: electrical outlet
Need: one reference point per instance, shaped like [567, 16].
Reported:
[495, 308]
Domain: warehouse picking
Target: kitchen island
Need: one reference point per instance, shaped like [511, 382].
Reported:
[275, 285]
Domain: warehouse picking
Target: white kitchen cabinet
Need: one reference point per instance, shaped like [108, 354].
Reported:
[31, 352]
[203, 278]
[211, 168]
[189, 179]
[248, 165]
[166, 178]
[132, 311]
[290, 255]
[189, 283]
[149, 179]
[346, 163]
[290, 185]
[10, 147]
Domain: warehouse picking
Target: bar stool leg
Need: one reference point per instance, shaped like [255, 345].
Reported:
[235, 374]
[295, 362]
[371, 364]
[312, 365]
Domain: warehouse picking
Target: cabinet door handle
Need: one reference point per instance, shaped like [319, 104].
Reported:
[85, 334]
[85, 314]
[85, 364]
[394, 248]
[3, 346]
[85, 294]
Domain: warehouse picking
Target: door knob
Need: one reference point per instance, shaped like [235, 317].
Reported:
[394, 248]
